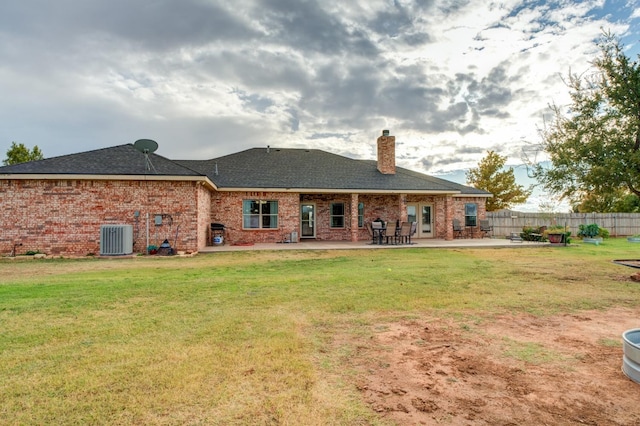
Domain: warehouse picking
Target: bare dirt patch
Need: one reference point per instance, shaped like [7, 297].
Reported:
[506, 370]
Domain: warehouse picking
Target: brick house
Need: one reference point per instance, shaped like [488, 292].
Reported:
[58, 205]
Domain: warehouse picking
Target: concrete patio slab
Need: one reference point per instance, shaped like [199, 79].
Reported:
[360, 245]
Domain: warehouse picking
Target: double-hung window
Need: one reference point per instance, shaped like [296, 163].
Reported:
[259, 214]
[337, 215]
[470, 214]
[360, 215]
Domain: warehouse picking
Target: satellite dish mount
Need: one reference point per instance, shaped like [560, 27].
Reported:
[146, 146]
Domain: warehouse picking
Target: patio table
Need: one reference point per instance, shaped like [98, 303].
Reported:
[378, 229]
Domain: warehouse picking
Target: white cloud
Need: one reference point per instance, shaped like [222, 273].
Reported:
[206, 78]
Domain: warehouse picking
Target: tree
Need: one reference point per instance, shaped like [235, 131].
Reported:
[492, 177]
[619, 201]
[18, 153]
[594, 144]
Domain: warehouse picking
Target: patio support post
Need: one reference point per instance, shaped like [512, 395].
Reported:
[402, 208]
[354, 217]
[448, 217]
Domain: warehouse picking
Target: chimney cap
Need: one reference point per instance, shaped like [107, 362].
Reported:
[385, 133]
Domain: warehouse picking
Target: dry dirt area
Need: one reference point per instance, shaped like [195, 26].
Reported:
[509, 370]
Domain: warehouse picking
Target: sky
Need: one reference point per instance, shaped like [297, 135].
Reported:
[206, 78]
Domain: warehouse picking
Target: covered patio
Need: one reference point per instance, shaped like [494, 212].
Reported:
[366, 245]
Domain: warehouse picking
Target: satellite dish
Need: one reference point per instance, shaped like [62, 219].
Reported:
[145, 146]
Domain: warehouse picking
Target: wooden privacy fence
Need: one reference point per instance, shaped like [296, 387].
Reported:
[505, 222]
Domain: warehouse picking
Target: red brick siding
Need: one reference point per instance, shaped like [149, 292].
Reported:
[204, 215]
[324, 231]
[458, 207]
[445, 209]
[387, 155]
[226, 208]
[63, 217]
[385, 207]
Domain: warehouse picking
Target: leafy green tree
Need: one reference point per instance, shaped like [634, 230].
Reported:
[594, 143]
[630, 203]
[18, 153]
[491, 176]
[619, 201]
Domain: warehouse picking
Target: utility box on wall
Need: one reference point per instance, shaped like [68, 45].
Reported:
[116, 240]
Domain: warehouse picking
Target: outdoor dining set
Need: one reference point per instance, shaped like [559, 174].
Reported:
[391, 232]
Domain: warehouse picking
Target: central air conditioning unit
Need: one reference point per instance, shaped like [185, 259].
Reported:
[116, 240]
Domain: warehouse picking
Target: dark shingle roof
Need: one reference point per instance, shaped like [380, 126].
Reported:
[117, 160]
[313, 169]
[257, 168]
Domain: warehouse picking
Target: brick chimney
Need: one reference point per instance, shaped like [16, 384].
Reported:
[387, 153]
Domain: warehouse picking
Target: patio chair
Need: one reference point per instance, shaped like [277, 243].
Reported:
[485, 228]
[412, 231]
[390, 232]
[377, 228]
[405, 233]
[370, 231]
[457, 229]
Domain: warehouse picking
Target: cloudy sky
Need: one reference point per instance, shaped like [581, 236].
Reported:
[204, 78]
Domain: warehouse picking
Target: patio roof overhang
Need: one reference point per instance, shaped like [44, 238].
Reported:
[352, 191]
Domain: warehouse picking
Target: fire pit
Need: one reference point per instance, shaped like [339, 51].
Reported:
[631, 263]
[631, 357]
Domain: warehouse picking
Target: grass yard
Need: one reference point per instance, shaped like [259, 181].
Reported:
[268, 338]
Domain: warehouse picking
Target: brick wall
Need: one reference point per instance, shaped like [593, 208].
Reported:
[63, 217]
[458, 207]
[324, 231]
[226, 208]
[387, 155]
[204, 215]
[445, 209]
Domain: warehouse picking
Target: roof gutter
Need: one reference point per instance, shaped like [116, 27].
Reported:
[19, 176]
[341, 191]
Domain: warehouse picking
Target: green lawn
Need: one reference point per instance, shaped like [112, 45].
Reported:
[255, 337]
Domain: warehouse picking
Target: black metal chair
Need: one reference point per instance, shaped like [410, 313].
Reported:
[485, 228]
[458, 229]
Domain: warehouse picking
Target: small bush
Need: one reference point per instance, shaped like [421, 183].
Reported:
[527, 233]
[592, 231]
[588, 231]
[530, 233]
